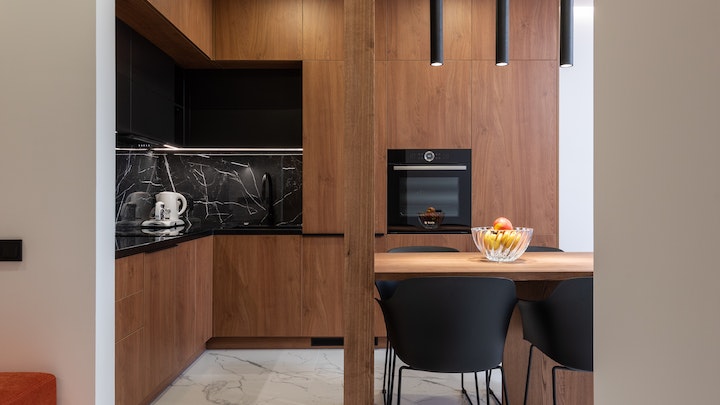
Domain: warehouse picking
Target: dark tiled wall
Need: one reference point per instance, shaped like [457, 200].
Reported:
[225, 189]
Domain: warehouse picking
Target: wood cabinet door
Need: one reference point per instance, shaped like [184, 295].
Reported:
[322, 286]
[533, 29]
[258, 29]
[130, 387]
[323, 126]
[256, 285]
[515, 146]
[408, 30]
[160, 293]
[428, 107]
[203, 290]
[193, 18]
[184, 303]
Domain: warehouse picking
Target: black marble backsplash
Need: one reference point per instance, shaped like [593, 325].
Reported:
[225, 189]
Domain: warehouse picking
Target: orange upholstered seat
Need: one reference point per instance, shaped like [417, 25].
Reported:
[28, 388]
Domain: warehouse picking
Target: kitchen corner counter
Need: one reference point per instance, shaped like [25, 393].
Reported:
[133, 241]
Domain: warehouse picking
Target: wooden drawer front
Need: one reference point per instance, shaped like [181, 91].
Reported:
[128, 276]
[128, 315]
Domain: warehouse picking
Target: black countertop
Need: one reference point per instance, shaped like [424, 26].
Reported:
[134, 240]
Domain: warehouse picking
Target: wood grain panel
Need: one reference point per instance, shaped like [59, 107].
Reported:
[462, 242]
[258, 29]
[359, 174]
[322, 286]
[429, 107]
[322, 29]
[130, 381]
[380, 147]
[381, 29]
[194, 18]
[129, 315]
[409, 30]
[160, 321]
[142, 17]
[515, 145]
[128, 276]
[323, 154]
[184, 302]
[533, 30]
[203, 289]
[256, 285]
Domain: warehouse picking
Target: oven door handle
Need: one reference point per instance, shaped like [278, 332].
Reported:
[430, 167]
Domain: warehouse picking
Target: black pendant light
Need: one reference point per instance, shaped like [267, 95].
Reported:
[436, 32]
[566, 33]
[502, 32]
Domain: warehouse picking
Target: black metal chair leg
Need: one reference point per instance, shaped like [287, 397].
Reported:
[487, 388]
[391, 382]
[504, 386]
[399, 383]
[477, 389]
[527, 375]
[385, 366]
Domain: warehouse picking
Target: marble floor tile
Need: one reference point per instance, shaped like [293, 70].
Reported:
[300, 377]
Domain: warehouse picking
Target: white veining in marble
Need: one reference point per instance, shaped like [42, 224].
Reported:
[301, 377]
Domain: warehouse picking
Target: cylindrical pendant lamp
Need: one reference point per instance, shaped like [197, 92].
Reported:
[436, 32]
[502, 33]
[566, 33]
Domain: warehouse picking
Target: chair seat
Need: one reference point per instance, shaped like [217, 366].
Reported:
[27, 388]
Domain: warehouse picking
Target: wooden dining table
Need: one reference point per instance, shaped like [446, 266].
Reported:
[535, 275]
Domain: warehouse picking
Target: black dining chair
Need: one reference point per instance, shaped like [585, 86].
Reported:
[561, 326]
[385, 290]
[450, 325]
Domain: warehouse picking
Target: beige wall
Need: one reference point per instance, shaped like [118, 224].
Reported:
[52, 178]
[657, 201]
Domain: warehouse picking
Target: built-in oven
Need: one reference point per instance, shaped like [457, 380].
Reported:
[429, 190]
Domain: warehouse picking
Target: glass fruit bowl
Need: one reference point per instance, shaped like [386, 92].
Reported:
[431, 220]
[501, 245]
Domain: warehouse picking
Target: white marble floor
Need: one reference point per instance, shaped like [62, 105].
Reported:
[300, 377]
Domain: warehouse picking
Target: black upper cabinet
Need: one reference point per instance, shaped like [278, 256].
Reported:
[254, 108]
[146, 89]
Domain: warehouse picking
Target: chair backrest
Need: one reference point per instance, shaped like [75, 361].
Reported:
[450, 324]
[386, 288]
[542, 249]
[561, 326]
[427, 249]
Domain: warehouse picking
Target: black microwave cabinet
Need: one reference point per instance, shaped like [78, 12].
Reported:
[149, 107]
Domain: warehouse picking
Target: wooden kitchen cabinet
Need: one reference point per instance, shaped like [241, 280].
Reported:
[429, 107]
[256, 285]
[163, 317]
[408, 30]
[322, 286]
[250, 30]
[193, 18]
[515, 146]
[323, 147]
[533, 30]
[323, 126]
[160, 318]
[130, 381]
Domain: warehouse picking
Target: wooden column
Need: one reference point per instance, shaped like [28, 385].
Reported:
[359, 200]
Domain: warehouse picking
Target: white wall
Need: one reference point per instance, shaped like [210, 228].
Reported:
[54, 176]
[657, 201]
[576, 138]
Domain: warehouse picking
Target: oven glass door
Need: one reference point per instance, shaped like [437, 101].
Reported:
[412, 189]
